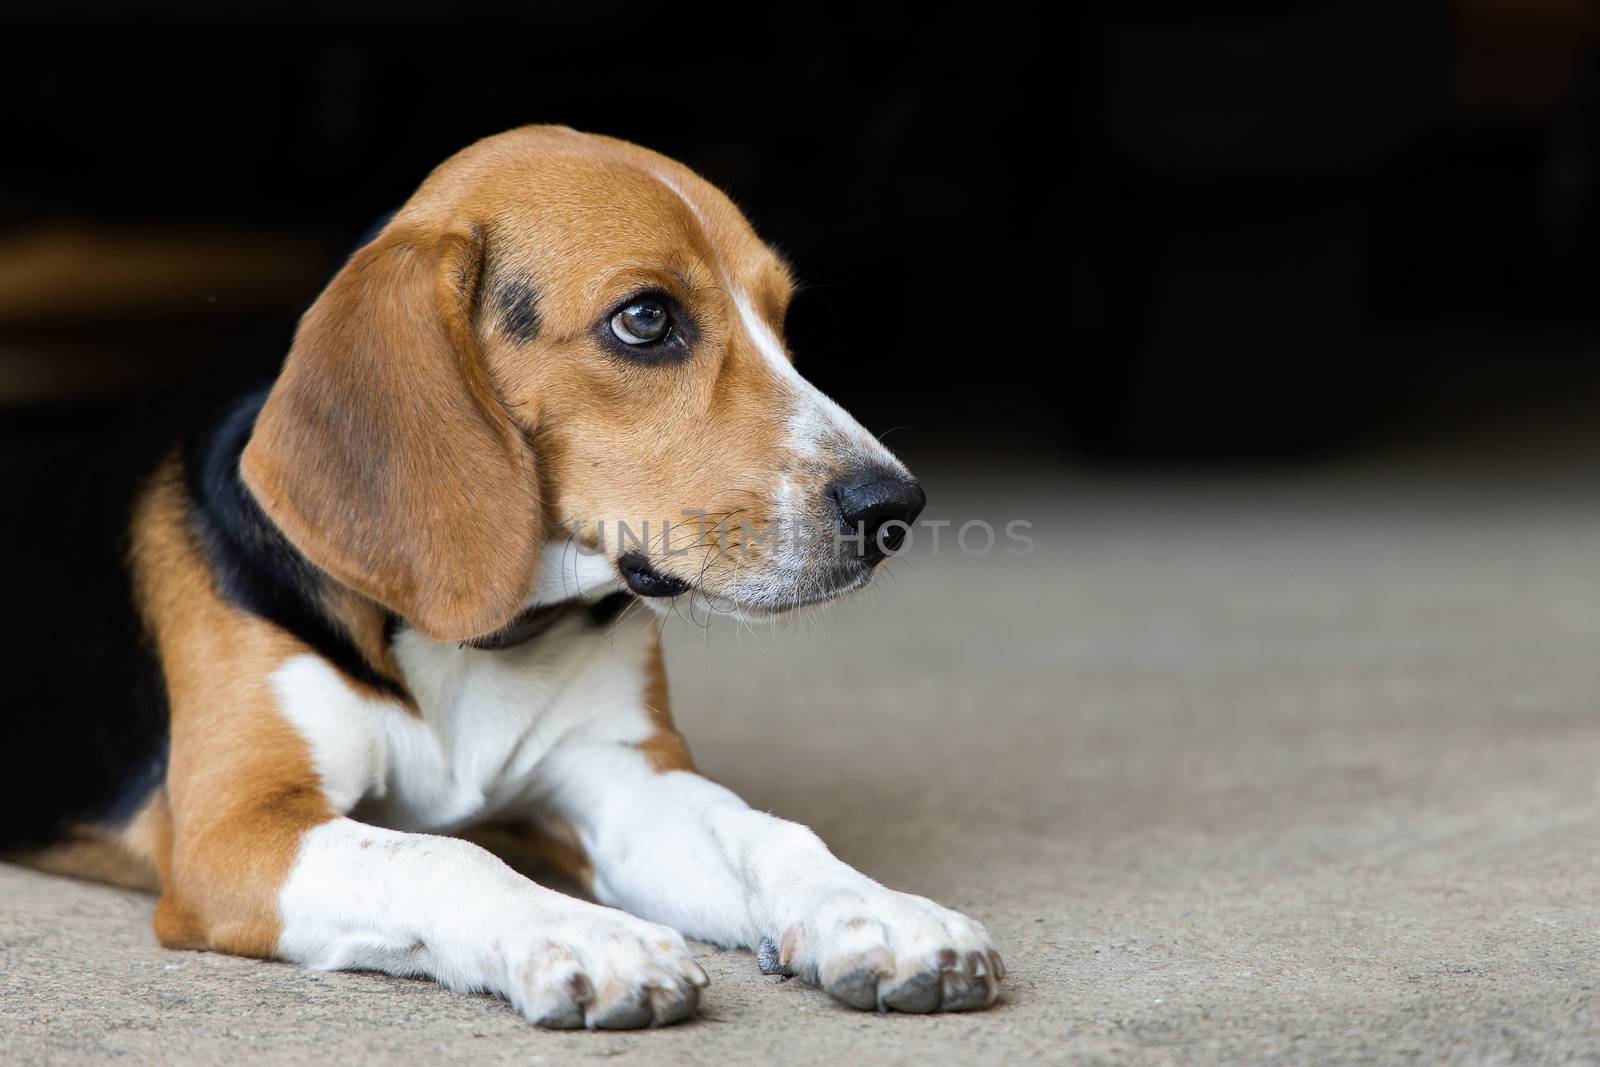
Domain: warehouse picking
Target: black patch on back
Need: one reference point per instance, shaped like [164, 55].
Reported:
[257, 569]
[518, 303]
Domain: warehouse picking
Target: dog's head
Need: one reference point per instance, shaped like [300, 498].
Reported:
[568, 339]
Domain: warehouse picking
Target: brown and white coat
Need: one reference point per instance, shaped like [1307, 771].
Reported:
[385, 603]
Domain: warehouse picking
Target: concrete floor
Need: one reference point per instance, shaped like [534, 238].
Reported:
[1297, 770]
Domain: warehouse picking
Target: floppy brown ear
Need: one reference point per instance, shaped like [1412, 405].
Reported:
[382, 452]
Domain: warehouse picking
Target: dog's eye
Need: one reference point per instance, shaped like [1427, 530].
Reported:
[643, 322]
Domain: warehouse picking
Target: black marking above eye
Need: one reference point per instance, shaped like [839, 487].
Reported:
[519, 310]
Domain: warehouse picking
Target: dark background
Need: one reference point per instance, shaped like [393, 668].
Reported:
[1261, 233]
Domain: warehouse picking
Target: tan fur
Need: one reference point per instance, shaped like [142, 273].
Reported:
[666, 748]
[241, 787]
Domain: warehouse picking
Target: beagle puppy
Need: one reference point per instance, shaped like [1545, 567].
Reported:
[413, 589]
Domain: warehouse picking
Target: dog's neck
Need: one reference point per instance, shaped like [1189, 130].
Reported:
[572, 578]
[536, 620]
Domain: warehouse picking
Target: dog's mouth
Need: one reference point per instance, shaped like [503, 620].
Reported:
[766, 600]
[646, 581]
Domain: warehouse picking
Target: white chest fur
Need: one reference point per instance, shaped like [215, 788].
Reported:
[489, 720]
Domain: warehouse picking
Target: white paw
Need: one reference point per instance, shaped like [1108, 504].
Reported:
[886, 950]
[603, 969]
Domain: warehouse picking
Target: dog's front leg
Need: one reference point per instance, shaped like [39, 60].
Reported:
[360, 897]
[364, 898]
[671, 846]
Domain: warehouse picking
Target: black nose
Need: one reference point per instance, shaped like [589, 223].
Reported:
[876, 507]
